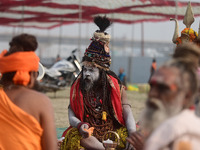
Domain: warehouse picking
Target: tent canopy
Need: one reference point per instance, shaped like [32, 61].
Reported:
[48, 14]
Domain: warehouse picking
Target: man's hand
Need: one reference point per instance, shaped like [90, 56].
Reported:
[84, 133]
[59, 142]
[136, 139]
[129, 146]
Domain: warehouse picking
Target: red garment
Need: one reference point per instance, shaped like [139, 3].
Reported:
[76, 99]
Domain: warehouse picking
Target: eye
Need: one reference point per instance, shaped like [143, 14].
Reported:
[163, 88]
[160, 87]
[91, 70]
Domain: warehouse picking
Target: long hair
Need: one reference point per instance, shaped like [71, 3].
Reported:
[102, 84]
[188, 76]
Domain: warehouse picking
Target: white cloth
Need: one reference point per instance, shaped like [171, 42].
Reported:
[180, 130]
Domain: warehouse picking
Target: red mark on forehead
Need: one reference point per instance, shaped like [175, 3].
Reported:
[153, 81]
[156, 82]
[173, 87]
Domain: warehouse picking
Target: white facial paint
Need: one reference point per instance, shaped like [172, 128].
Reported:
[91, 73]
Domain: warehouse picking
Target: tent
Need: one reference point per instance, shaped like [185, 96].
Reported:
[47, 14]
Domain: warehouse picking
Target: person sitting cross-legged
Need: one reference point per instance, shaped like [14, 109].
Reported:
[98, 100]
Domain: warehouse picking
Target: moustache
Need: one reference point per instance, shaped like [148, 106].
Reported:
[155, 104]
[153, 115]
[87, 79]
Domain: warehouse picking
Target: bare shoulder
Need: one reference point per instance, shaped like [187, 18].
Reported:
[34, 96]
[32, 102]
[40, 107]
[39, 100]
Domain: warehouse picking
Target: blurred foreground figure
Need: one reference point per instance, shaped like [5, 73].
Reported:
[98, 101]
[26, 118]
[190, 52]
[171, 99]
[169, 119]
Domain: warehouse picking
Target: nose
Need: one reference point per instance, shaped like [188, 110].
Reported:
[87, 73]
[153, 93]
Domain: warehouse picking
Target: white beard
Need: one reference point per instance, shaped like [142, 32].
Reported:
[153, 115]
[156, 113]
[88, 85]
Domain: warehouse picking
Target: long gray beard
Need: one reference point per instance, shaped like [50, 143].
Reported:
[156, 113]
[88, 85]
[153, 115]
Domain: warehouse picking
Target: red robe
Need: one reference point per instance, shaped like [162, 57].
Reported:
[76, 100]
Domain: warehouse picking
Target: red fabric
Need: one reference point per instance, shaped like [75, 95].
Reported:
[192, 107]
[65, 132]
[76, 100]
[81, 123]
[44, 14]
[116, 100]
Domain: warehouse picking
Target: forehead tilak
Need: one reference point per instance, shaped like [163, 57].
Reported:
[165, 75]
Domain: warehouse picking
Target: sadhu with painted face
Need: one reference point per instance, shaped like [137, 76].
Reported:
[98, 101]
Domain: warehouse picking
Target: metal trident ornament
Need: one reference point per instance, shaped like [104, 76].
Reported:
[189, 16]
[187, 21]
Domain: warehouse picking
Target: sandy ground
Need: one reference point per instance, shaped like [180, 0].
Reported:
[60, 101]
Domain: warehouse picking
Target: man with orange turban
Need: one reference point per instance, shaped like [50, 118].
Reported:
[26, 118]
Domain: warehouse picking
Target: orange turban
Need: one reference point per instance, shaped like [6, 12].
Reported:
[22, 63]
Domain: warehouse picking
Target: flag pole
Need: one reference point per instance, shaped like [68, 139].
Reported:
[79, 35]
[176, 13]
[142, 39]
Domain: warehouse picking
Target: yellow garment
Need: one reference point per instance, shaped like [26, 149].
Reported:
[18, 130]
[72, 140]
[73, 137]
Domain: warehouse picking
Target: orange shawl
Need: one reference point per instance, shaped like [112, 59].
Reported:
[22, 63]
[19, 130]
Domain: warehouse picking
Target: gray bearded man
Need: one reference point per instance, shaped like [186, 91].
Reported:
[169, 120]
[98, 101]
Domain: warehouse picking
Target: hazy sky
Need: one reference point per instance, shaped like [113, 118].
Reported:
[154, 31]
